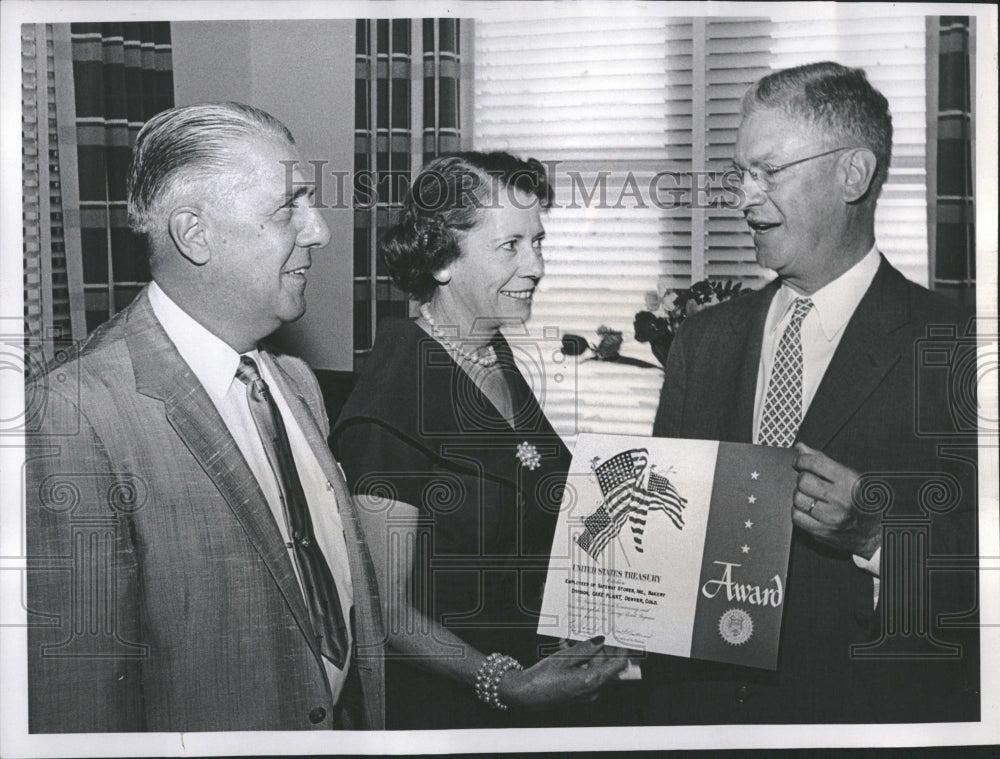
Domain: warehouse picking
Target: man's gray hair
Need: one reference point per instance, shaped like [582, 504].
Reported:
[188, 144]
[838, 100]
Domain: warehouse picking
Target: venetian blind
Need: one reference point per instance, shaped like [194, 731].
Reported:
[892, 50]
[628, 113]
[34, 134]
[737, 53]
[52, 279]
[599, 100]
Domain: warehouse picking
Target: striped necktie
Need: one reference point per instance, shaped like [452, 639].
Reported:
[318, 585]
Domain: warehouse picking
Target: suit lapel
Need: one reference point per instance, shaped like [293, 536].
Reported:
[161, 373]
[868, 350]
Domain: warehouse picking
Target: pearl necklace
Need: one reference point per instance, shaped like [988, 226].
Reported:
[488, 359]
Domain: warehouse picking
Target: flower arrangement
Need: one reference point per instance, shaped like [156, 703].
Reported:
[608, 349]
[656, 325]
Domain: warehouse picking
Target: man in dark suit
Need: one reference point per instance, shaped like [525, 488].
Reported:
[195, 562]
[834, 357]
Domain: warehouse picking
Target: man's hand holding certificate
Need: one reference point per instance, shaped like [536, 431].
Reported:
[673, 546]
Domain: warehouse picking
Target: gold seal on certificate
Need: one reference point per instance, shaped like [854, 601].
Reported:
[673, 546]
[735, 627]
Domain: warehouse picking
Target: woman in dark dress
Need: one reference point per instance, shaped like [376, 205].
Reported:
[459, 474]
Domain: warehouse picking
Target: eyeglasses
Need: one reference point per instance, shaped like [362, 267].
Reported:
[763, 173]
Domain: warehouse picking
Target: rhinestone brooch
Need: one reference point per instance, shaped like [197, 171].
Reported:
[527, 454]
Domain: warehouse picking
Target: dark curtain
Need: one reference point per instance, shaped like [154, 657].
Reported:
[441, 127]
[954, 234]
[385, 154]
[123, 75]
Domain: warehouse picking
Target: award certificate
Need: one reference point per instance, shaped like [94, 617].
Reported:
[673, 546]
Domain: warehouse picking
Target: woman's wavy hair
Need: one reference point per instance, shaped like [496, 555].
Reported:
[447, 198]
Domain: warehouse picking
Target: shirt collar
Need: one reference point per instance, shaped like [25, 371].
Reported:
[211, 359]
[836, 301]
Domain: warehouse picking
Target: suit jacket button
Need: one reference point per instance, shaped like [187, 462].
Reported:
[742, 693]
[317, 715]
[863, 617]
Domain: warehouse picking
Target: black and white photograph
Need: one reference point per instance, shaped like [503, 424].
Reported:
[480, 377]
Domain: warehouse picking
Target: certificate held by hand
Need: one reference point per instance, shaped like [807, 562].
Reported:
[673, 546]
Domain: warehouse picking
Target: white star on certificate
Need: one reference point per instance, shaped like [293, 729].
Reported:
[745, 548]
[754, 475]
[748, 524]
[751, 499]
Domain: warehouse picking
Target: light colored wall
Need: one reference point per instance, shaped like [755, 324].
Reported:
[302, 72]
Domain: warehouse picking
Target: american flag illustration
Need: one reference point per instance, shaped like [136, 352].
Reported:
[658, 495]
[616, 478]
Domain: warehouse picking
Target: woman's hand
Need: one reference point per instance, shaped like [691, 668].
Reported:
[572, 674]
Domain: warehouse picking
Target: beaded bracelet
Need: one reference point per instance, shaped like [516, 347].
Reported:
[488, 678]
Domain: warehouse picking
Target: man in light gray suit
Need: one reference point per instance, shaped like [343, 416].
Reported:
[194, 557]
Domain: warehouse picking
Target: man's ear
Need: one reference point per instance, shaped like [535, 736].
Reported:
[859, 168]
[188, 233]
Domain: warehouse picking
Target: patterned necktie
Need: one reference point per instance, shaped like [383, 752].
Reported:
[782, 415]
[318, 585]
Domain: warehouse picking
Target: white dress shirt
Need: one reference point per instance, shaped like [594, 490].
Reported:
[833, 306]
[214, 363]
